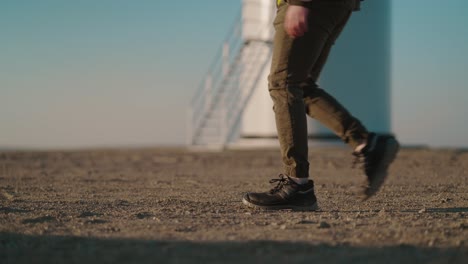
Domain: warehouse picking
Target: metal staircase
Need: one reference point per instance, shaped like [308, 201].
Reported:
[216, 109]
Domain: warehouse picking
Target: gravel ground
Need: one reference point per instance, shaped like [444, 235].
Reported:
[178, 206]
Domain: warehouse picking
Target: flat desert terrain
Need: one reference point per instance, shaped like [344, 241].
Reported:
[168, 205]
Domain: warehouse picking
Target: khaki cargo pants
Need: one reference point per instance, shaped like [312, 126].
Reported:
[295, 68]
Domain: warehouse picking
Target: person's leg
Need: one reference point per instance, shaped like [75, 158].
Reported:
[291, 63]
[325, 108]
[376, 152]
[293, 58]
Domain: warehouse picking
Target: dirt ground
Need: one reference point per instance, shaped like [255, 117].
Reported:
[178, 206]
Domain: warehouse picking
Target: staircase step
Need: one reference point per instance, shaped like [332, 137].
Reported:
[230, 93]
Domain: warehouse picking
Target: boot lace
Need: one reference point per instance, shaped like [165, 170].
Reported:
[282, 181]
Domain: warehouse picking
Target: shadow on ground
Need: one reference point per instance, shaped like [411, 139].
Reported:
[17, 248]
[446, 210]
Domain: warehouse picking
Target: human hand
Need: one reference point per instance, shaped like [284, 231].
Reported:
[295, 22]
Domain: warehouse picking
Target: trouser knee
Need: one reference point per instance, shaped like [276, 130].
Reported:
[289, 95]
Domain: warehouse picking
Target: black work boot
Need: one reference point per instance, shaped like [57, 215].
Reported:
[285, 195]
[376, 156]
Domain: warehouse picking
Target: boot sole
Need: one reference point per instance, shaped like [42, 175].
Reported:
[391, 151]
[313, 207]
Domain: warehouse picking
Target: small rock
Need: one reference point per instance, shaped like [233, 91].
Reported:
[446, 200]
[39, 220]
[283, 227]
[306, 222]
[122, 203]
[143, 215]
[324, 225]
[6, 195]
[423, 210]
[96, 221]
[382, 213]
[113, 229]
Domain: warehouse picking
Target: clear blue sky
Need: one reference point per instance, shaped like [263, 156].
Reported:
[117, 72]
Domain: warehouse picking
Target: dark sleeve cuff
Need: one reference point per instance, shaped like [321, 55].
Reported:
[298, 3]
